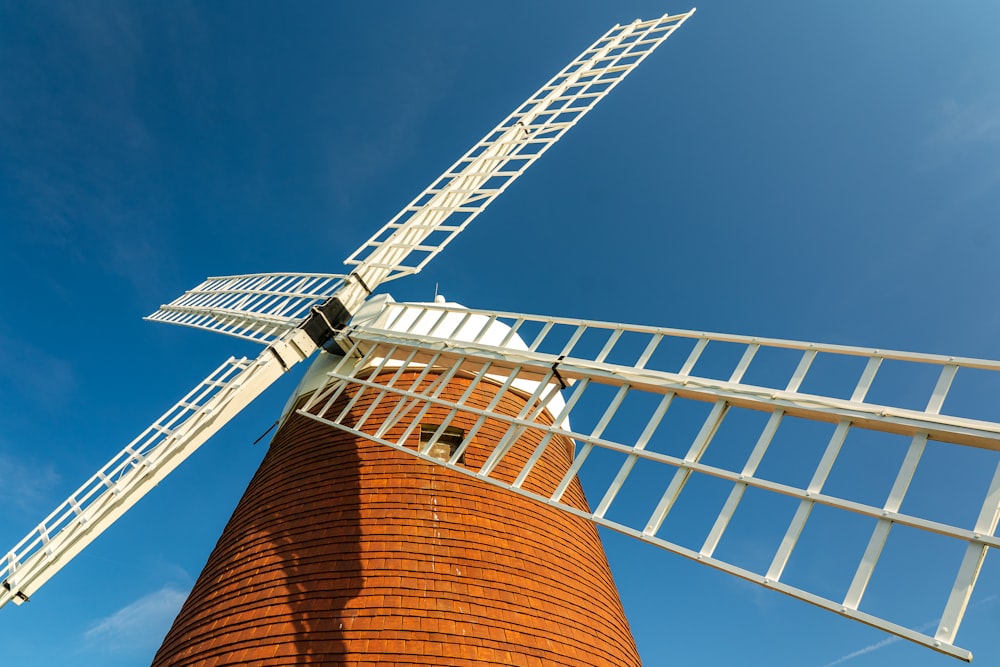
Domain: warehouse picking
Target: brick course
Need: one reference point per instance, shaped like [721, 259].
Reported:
[345, 552]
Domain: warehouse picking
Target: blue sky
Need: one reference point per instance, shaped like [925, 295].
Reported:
[825, 172]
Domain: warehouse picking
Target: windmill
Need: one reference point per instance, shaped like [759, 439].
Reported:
[425, 337]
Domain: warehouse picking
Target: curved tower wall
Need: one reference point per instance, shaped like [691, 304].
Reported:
[346, 552]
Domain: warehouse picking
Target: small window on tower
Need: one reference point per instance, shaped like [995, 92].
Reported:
[446, 445]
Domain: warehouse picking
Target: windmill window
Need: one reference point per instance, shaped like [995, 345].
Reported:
[446, 445]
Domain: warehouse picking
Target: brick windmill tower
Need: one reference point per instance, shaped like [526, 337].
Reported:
[344, 551]
[420, 503]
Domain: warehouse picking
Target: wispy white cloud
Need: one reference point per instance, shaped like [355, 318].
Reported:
[968, 114]
[963, 137]
[888, 641]
[137, 627]
[965, 127]
[31, 371]
[27, 484]
[863, 651]
[974, 123]
[72, 129]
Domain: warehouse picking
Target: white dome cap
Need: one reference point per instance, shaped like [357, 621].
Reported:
[382, 311]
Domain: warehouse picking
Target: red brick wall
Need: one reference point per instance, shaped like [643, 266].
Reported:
[346, 552]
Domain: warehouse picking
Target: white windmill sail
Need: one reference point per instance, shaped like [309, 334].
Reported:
[666, 367]
[296, 313]
[257, 306]
[622, 384]
[262, 306]
[432, 220]
[142, 464]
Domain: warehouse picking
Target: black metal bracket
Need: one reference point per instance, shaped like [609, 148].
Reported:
[325, 321]
[555, 371]
[19, 595]
[361, 282]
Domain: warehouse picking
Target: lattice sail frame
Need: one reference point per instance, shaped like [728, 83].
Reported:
[262, 307]
[277, 309]
[406, 336]
[257, 306]
[142, 464]
[432, 220]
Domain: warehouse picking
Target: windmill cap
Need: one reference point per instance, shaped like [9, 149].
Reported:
[383, 312]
